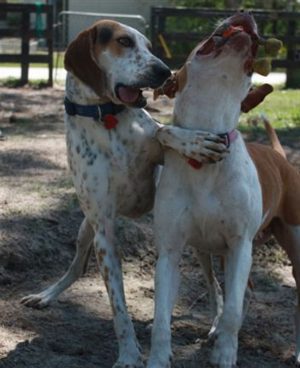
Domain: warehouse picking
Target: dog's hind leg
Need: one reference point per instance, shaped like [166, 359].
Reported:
[288, 236]
[215, 292]
[80, 261]
[214, 289]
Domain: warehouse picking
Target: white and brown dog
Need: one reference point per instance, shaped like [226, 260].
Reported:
[220, 209]
[114, 148]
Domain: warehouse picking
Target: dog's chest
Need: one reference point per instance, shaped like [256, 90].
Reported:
[113, 165]
[221, 201]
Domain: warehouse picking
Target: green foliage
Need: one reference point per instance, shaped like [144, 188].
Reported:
[218, 4]
[198, 28]
[247, 4]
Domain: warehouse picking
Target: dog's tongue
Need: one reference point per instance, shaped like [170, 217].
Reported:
[128, 94]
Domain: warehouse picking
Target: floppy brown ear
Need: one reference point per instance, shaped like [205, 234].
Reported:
[79, 60]
[255, 97]
[175, 83]
[169, 88]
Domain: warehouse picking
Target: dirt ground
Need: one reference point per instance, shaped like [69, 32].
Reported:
[39, 219]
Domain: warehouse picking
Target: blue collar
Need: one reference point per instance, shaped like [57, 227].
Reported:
[97, 112]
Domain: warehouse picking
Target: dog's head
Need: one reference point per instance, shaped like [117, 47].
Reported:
[116, 62]
[226, 57]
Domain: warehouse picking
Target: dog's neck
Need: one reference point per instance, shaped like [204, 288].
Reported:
[80, 93]
[209, 102]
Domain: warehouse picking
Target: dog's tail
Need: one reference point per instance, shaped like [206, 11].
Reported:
[273, 137]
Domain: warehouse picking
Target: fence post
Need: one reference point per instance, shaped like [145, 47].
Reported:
[25, 33]
[49, 33]
[292, 72]
[25, 47]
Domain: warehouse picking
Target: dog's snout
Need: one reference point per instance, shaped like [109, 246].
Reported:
[161, 71]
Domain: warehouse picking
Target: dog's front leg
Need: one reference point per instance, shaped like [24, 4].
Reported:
[167, 279]
[109, 263]
[199, 145]
[237, 269]
[166, 288]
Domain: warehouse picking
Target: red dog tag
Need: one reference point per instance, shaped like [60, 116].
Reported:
[194, 163]
[110, 121]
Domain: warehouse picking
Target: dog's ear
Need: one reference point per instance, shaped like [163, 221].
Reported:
[79, 59]
[173, 84]
[255, 97]
[169, 88]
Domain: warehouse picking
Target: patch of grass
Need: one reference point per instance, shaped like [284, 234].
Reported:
[281, 107]
[15, 83]
[10, 82]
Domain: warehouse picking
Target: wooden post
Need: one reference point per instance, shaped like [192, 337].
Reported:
[25, 47]
[49, 33]
[292, 72]
[2, 15]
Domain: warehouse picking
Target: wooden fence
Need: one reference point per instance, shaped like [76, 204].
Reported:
[172, 41]
[25, 32]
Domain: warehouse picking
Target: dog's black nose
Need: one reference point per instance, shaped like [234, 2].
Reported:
[161, 71]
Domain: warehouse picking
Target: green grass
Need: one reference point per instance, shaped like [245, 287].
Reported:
[12, 82]
[282, 108]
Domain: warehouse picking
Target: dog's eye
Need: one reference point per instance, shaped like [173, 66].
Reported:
[125, 41]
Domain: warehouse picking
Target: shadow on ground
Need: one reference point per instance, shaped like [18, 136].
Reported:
[39, 219]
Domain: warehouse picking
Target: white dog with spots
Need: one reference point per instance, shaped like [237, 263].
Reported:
[218, 208]
[114, 148]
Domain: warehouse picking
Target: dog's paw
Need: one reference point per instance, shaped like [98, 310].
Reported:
[214, 148]
[206, 151]
[159, 363]
[224, 353]
[296, 359]
[124, 365]
[37, 301]
[198, 145]
[138, 364]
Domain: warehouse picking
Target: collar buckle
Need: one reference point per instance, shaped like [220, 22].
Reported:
[226, 138]
[99, 117]
[229, 137]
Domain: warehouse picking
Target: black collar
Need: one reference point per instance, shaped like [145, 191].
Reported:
[97, 112]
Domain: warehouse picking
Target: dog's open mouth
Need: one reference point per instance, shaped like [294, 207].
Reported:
[239, 24]
[130, 95]
[239, 33]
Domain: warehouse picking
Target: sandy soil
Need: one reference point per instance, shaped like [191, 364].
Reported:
[39, 218]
